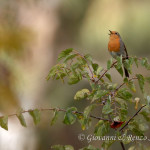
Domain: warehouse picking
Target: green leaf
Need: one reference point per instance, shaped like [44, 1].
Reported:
[141, 81]
[64, 53]
[55, 116]
[81, 94]
[21, 118]
[95, 66]
[131, 86]
[35, 115]
[70, 57]
[107, 144]
[73, 79]
[107, 108]
[134, 127]
[61, 147]
[146, 113]
[144, 62]
[85, 122]
[99, 94]
[101, 128]
[119, 62]
[90, 147]
[109, 63]
[89, 58]
[88, 109]
[123, 113]
[124, 94]
[70, 117]
[99, 69]
[108, 76]
[4, 122]
[127, 64]
[120, 70]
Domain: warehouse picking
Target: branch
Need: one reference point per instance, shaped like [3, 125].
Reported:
[122, 145]
[125, 83]
[132, 118]
[58, 109]
[106, 71]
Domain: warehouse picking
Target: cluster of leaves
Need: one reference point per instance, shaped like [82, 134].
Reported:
[112, 99]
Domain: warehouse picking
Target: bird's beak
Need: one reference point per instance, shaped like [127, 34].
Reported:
[110, 32]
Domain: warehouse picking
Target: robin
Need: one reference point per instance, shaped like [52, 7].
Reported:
[116, 47]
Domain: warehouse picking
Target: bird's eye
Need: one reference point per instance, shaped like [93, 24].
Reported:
[116, 33]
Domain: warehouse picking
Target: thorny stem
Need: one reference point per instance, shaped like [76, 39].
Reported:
[58, 109]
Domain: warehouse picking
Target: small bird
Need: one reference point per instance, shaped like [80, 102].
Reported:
[116, 47]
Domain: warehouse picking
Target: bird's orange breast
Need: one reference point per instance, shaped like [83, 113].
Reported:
[114, 45]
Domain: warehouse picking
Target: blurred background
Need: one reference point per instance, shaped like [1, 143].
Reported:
[32, 34]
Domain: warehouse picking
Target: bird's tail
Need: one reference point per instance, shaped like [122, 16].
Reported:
[126, 72]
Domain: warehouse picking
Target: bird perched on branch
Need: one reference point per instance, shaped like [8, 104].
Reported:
[116, 47]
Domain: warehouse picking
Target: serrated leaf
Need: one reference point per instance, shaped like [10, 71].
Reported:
[107, 108]
[64, 53]
[90, 147]
[21, 118]
[108, 76]
[109, 63]
[62, 147]
[73, 79]
[141, 81]
[4, 122]
[55, 116]
[35, 115]
[70, 117]
[81, 94]
[101, 128]
[88, 109]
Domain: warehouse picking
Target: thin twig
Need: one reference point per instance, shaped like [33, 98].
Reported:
[122, 145]
[58, 109]
[132, 118]
[125, 83]
[106, 71]
[86, 62]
